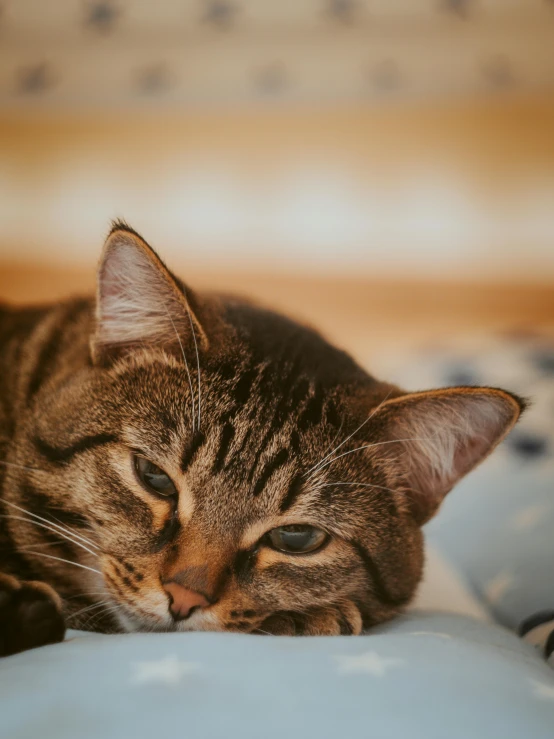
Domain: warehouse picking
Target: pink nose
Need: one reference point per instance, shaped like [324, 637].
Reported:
[183, 600]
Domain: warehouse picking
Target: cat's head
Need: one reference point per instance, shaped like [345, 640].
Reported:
[235, 471]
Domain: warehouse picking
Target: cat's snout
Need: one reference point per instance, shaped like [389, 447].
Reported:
[183, 601]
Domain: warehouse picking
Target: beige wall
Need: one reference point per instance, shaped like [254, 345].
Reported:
[462, 190]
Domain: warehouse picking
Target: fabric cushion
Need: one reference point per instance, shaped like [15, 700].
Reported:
[497, 526]
[428, 676]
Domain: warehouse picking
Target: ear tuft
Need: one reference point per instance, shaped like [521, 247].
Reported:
[443, 435]
[139, 302]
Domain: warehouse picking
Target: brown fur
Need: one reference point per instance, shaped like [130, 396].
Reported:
[241, 439]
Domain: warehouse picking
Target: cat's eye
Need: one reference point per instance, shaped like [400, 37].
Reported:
[153, 478]
[296, 539]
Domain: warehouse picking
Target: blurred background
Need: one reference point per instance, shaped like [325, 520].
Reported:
[382, 168]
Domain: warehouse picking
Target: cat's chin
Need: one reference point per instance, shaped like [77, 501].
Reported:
[200, 621]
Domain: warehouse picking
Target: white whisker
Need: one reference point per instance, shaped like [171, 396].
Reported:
[370, 446]
[188, 371]
[49, 528]
[197, 357]
[67, 561]
[103, 603]
[60, 527]
[317, 466]
[357, 484]
[22, 467]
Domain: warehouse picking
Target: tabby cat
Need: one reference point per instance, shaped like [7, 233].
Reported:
[175, 461]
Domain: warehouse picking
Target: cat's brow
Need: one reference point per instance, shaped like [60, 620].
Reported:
[62, 455]
[293, 491]
[269, 470]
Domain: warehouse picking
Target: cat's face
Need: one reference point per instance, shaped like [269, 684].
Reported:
[242, 487]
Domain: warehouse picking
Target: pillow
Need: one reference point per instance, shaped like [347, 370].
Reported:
[428, 676]
[497, 526]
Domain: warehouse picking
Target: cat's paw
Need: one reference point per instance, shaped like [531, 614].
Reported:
[30, 615]
[342, 619]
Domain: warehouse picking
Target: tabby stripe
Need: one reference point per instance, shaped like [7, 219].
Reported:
[191, 451]
[381, 590]
[45, 360]
[227, 436]
[123, 595]
[38, 502]
[270, 468]
[58, 455]
[244, 443]
[293, 492]
[333, 414]
[279, 416]
[58, 541]
[243, 388]
[346, 628]
[124, 578]
[168, 533]
[313, 412]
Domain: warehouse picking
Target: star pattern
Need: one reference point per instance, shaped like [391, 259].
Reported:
[342, 10]
[461, 8]
[498, 72]
[543, 690]
[271, 78]
[369, 663]
[153, 79]
[289, 34]
[498, 587]
[220, 14]
[101, 15]
[35, 78]
[167, 671]
[528, 518]
[437, 634]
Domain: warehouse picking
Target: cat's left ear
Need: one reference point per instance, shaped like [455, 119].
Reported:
[139, 303]
[432, 439]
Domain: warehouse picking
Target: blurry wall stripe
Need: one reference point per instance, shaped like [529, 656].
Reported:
[464, 188]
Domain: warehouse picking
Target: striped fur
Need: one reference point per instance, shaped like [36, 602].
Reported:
[258, 421]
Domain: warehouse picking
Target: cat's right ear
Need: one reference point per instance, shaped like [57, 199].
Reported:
[139, 303]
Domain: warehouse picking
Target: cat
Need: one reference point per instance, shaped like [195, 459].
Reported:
[176, 461]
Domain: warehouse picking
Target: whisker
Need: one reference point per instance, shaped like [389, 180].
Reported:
[62, 529]
[317, 466]
[46, 544]
[115, 608]
[103, 604]
[22, 467]
[358, 484]
[85, 595]
[371, 446]
[187, 368]
[49, 528]
[67, 561]
[197, 356]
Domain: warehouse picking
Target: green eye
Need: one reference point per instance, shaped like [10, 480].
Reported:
[153, 478]
[296, 539]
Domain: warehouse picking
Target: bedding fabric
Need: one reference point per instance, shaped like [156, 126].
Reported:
[428, 676]
[497, 526]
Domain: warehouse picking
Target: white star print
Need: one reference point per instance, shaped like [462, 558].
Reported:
[543, 690]
[168, 671]
[498, 586]
[528, 518]
[368, 662]
[438, 634]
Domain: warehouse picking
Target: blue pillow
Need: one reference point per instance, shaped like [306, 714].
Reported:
[497, 526]
[428, 676]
